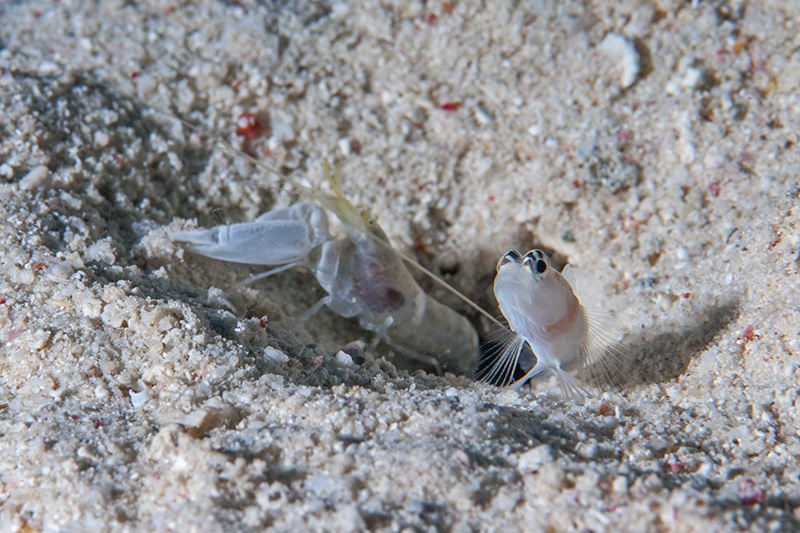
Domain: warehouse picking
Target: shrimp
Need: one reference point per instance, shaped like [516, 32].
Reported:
[543, 311]
[362, 274]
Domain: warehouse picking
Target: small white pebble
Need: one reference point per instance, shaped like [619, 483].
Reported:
[282, 131]
[482, 116]
[84, 453]
[344, 360]
[39, 339]
[461, 456]
[6, 170]
[24, 276]
[194, 419]
[621, 50]
[6, 78]
[276, 355]
[101, 139]
[339, 10]
[48, 68]
[705, 469]
[344, 146]
[146, 86]
[691, 78]
[451, 392]
[138, 399]
[712, 158]
[175, 161]
[100, 392]
[219, 298]
[36, 178]
[534, 458]
[588, 450]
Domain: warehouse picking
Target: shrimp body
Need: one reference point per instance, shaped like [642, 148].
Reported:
[362, 274]
[542, 309]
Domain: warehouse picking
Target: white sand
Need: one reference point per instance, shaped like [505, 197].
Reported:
[652, 145]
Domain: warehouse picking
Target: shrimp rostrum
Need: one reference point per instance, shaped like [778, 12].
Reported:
[363, 275]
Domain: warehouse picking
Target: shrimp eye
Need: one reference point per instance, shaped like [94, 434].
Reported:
[512, 256]
[536, 261]
[367, 218]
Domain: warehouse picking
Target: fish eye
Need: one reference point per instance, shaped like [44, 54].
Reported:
[512, 256]
[537, 262]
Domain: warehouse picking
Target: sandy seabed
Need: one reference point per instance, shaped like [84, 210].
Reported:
[653, 145]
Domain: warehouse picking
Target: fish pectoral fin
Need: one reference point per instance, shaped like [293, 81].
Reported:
[568, 273]
[571, 388]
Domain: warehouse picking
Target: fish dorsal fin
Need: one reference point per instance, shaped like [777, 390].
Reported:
[569, 274]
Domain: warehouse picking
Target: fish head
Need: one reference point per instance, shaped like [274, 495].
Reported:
[530, 292]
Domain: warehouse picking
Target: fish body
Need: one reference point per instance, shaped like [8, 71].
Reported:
[543, 311]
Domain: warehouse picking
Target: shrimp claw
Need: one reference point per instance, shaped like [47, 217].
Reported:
[275, 238]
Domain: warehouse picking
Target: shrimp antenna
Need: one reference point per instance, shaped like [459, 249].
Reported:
[334, 180]
[337, 189]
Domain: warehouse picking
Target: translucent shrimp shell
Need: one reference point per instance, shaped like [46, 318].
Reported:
[381, 286]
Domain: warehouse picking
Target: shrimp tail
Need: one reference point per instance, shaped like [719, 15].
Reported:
[442, 332]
